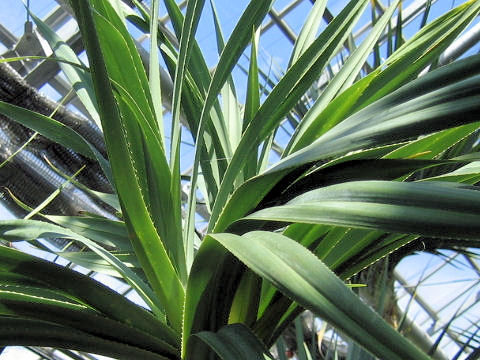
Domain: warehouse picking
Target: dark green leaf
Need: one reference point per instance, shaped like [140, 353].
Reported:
[303, 277]
[427, 208]
[17, 331]
[235, 341]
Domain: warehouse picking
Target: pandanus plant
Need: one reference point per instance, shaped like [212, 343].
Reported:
[353, 184]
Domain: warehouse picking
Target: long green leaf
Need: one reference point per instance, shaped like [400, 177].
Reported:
[154, 69]
[198, 65]
[214, 148]
[146, 241]
[252, 104]
[47, 305]
[428, 208]
[346, 138]
[109, 199]
[303, 277]
[403, 66]
[27, 270]
[292, 86]
[25, 230]
[251, 18]
[343, 79]
[189, 27]
[244, 307]
[429, 43]
[52, 196]
[441, 99]
[17, 331]
[309, 30]
[103, 231]
[143, 141]
[91, 261]
[469, 174]
[55, 131]
[338, 171]
[80, 80]
[211, 285]
[235, 341]
[430, 146]
[119, 40]
[231, 123]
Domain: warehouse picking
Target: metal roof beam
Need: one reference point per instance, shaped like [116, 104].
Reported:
[283, 26]
[7, 38]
